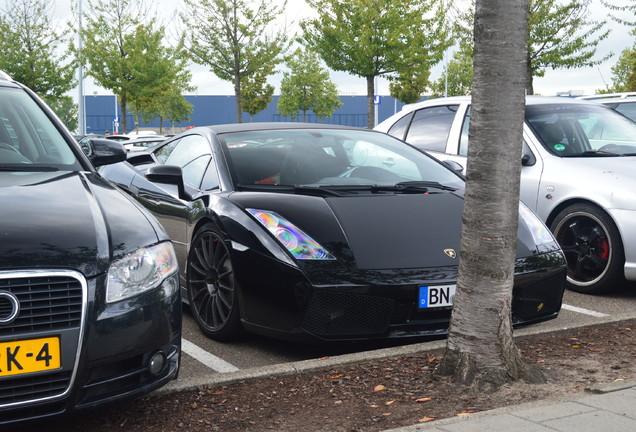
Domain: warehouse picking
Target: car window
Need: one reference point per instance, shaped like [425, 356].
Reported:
[574, 129]
[430, 127]
[328, 158]
[29, 137]
[192, 153]
[165, 151]
[627, 109]
[399, 128]
[463, 141]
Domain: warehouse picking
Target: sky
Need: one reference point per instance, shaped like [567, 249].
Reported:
[580, 81]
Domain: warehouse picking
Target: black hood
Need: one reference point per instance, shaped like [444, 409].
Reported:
[72, 220]
[379, 231]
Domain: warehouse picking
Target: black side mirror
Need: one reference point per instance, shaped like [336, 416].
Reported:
[169, 174]
[104, 152]
[455, 166]
[528, 160]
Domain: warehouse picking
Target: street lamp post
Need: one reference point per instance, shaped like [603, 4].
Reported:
[81, 112]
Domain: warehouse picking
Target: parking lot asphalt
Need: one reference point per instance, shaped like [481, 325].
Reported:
[609, 408]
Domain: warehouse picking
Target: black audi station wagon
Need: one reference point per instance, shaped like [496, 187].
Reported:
[89, 298]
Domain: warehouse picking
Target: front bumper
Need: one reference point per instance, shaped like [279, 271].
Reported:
[106, 350]
[387, 308]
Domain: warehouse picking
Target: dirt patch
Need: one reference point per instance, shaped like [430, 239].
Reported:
[373, 396]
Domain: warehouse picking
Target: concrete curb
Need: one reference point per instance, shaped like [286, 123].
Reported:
[298, 367]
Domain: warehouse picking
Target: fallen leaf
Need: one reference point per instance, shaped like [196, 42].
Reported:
[386, 414]
[324, 358]
[379, 388]
[576, 346]
[195, 405]
[423, 399]
[389, 402]
[466, 412]
[337, 376]
[619, 379]
[217, 393]
[426, 419]
[374, 406]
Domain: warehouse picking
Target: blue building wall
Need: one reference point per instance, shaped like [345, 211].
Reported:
[211, 109]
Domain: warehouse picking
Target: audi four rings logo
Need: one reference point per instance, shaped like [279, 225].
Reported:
[9, 307]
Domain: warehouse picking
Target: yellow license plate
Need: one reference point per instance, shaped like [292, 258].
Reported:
[26, 356]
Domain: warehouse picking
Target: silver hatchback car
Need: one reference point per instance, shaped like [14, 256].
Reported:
[578, 174]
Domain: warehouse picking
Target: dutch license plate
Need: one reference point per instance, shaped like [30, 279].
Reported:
[436, 296]
[27, 356]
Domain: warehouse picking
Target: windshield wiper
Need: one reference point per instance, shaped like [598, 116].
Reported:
[309, 190]
[601, 153]
[425, 184]
[28, 168]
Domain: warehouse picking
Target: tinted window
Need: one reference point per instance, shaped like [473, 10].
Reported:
[430, 127]
[192, 153]
[28, 137]
[627, 109]
[399, 127]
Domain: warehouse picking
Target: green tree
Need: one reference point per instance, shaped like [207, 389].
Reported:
[124, 51]
[561, 36]
[480, 348]
[256, 92]
[407, 86]
[307, 87]
[233, 38]
[457, 78]
[623, 73]
[32, 50]
[65, 108]
[371, 38]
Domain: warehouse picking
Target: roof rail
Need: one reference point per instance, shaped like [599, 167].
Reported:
[603, 96]
[4, 76]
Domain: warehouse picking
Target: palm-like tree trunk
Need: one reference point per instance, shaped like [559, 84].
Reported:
[480, 348]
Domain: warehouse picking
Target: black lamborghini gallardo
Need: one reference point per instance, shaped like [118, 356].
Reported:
[315, 232]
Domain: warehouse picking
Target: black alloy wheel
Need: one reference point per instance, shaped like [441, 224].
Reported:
[593, 248]
[212, 287]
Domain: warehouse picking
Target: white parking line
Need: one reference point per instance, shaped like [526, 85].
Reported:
[583, 311]
[210, 360]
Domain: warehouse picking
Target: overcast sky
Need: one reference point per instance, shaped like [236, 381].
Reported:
[585, 80]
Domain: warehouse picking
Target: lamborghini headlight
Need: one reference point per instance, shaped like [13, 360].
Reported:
[540, 233]
[140, 271]
[299, 244]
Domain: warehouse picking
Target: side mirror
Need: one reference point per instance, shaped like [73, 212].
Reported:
[169, 174]
[104, 152]
[528, 160]
[455, 166]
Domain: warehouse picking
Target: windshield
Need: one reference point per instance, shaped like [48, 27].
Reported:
[29, 141]
[573, 129]
[324, 158]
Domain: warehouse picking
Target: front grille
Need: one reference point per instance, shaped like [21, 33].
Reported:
[537, 297]
[333, 314]
[33, 387]
[46, 303]
[51, 303]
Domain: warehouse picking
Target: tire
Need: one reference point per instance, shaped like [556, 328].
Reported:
[593, 249]
[212, 286]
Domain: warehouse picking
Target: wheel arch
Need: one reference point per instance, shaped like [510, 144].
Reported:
[567, 203]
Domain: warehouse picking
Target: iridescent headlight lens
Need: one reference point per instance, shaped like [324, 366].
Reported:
[540, 233]
[299, 244]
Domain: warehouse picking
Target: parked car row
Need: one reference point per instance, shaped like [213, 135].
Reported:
[312, 233]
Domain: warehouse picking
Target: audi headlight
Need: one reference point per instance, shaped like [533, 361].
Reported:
[540, 233]
[140, 271]
[299, 244]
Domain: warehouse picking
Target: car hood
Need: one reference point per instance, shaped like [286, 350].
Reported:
[71, 220]
[378, 231]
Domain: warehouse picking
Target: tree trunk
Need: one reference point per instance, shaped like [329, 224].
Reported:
[122, 110]
[370, 102]
[480, 349]
[239, 103]
[529, 86]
